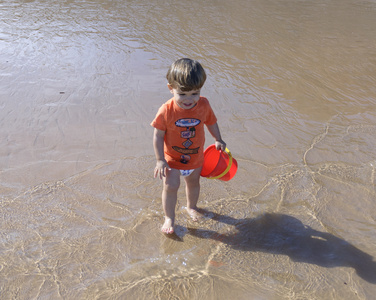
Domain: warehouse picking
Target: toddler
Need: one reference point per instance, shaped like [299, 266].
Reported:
[179, 137]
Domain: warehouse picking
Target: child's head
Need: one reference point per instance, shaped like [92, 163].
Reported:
[186, 75]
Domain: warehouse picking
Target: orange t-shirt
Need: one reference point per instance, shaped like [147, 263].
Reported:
[185, 135]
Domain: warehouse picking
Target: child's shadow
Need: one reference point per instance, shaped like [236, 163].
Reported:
[283, 234]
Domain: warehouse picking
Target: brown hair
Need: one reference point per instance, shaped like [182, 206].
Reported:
[186, 74]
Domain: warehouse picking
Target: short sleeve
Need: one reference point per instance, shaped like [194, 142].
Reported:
[159, 121]
[211, 119]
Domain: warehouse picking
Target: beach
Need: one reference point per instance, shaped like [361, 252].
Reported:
[292, 84]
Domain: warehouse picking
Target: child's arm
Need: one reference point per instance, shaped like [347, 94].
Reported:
[158, 143]
[214, 131]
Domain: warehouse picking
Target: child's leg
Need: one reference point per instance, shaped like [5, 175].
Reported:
[171, 185]
[192, 189]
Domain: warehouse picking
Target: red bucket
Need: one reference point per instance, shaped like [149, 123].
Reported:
[218, 164]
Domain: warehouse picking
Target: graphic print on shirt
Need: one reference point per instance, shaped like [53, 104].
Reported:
[189, 125]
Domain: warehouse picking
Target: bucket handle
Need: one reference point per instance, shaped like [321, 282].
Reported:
[228, 167]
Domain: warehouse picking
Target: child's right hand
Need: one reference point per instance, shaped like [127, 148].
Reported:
[161, 169]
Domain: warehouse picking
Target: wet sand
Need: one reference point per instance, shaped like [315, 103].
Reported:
[293, 86]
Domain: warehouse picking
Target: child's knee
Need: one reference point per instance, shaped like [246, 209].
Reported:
[171, 186]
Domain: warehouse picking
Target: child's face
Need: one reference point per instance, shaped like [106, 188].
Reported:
[185, 100]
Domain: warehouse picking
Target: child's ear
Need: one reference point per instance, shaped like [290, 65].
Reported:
[170, 87]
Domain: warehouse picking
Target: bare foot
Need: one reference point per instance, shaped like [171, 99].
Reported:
[194, 213]
[168, 226]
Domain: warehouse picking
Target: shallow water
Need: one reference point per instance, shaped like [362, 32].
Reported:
[293, 86]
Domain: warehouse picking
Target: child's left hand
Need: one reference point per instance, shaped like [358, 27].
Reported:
[220, 145]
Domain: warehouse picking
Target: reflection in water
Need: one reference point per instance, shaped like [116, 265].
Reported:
[286, 235]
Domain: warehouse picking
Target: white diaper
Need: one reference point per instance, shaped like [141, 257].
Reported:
[186, 172]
